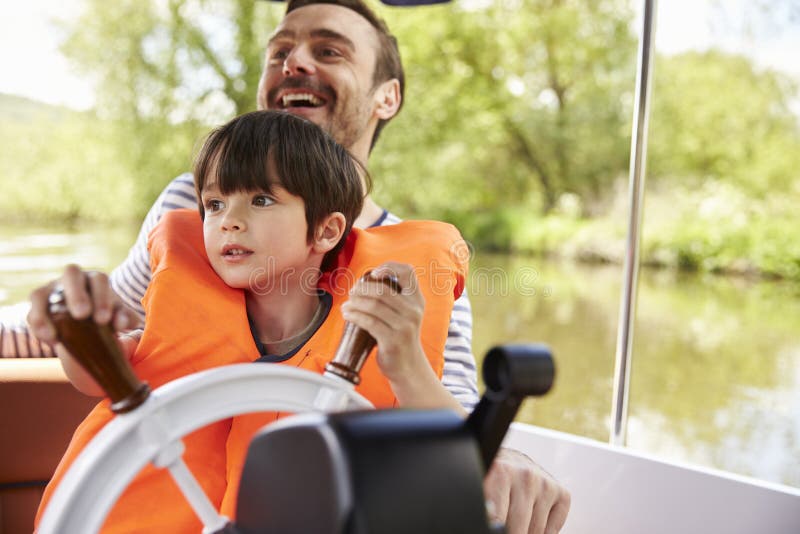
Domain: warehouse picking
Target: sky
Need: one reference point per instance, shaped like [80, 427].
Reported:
[30, 63]
[32, 66]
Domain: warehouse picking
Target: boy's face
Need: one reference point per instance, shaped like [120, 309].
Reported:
[256, 241]
[319, 65]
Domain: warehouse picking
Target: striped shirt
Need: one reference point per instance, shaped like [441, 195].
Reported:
[131, 278]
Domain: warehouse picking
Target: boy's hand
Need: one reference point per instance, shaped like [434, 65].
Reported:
[393, 318]
[87, 293]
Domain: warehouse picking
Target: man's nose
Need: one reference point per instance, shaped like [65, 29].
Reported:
[299, 62]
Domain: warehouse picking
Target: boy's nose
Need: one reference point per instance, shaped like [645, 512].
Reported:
[233, 222]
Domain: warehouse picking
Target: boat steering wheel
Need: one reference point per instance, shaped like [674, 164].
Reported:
[153, 431]
[149, 425]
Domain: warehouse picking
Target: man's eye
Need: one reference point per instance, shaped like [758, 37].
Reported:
[279, 54]
[262, 201]
[213, 205]
[328, 52]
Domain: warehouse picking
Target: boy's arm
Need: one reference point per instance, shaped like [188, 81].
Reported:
[523, 495]
[394, 320]
[459, 376]
[78, 376]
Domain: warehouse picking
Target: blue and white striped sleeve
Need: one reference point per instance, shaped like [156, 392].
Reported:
[131, 278]
[460, 375]
[15, 339]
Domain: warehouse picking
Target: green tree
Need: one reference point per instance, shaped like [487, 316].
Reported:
[718, 116]
[165, 72]
[512, 104]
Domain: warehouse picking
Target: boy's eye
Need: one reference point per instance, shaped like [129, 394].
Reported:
[262, 201]
[213, 205]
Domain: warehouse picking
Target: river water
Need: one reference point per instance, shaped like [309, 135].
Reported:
[716, 364]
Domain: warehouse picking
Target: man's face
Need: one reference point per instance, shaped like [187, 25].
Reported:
[319, 65]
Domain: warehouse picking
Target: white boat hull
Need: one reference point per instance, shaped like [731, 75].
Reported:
[615, 490]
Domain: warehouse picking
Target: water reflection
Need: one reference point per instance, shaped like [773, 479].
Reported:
[32, 256]
[716, 368]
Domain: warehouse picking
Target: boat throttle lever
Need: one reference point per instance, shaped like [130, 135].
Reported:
[387, 471]
[95, 347]
[511, 373]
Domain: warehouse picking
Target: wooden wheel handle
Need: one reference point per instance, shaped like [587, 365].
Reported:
[95, 347]
[356, 343]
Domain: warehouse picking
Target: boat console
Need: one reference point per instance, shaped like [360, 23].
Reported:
[377, 472]
[388, 471]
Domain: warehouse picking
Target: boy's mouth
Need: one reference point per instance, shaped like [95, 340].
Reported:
[235, 251]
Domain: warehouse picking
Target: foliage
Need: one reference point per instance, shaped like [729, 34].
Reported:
[179, 60]
[164, 73]
[718, 116]
[56, 164]
[722, 230]
[515, 126]
[508, 109]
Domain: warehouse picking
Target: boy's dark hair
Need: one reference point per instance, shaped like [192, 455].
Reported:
[387, 62]
[246, 152]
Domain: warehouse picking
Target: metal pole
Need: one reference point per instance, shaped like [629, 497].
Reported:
[622, 372]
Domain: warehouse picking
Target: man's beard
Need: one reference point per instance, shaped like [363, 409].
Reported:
[347, 126]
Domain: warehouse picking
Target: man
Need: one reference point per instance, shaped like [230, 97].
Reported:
[335, 63]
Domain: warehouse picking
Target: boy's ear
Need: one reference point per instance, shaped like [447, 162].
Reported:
[329, 231]
[387, 99]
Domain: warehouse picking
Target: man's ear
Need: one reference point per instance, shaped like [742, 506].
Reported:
[387, 99]
[328, 233]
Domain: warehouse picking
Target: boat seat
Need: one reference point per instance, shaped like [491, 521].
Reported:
[39, 411]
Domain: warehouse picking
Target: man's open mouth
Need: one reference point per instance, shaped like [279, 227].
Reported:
[300, 100]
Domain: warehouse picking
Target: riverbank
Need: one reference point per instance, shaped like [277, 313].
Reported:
[716, 229]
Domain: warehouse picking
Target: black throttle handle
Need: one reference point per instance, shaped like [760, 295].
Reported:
[511, 373]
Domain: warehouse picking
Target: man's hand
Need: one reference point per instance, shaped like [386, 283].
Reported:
[524, 496]
[87, 293]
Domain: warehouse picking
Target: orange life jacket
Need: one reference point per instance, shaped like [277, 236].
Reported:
[196, 322]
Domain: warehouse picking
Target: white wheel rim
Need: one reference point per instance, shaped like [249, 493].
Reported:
[121, 449]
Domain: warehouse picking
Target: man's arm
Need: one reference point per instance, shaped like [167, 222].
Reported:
[15, 339]
[523, 496]
[460, 374]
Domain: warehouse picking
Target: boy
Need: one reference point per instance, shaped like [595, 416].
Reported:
[264, 280]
